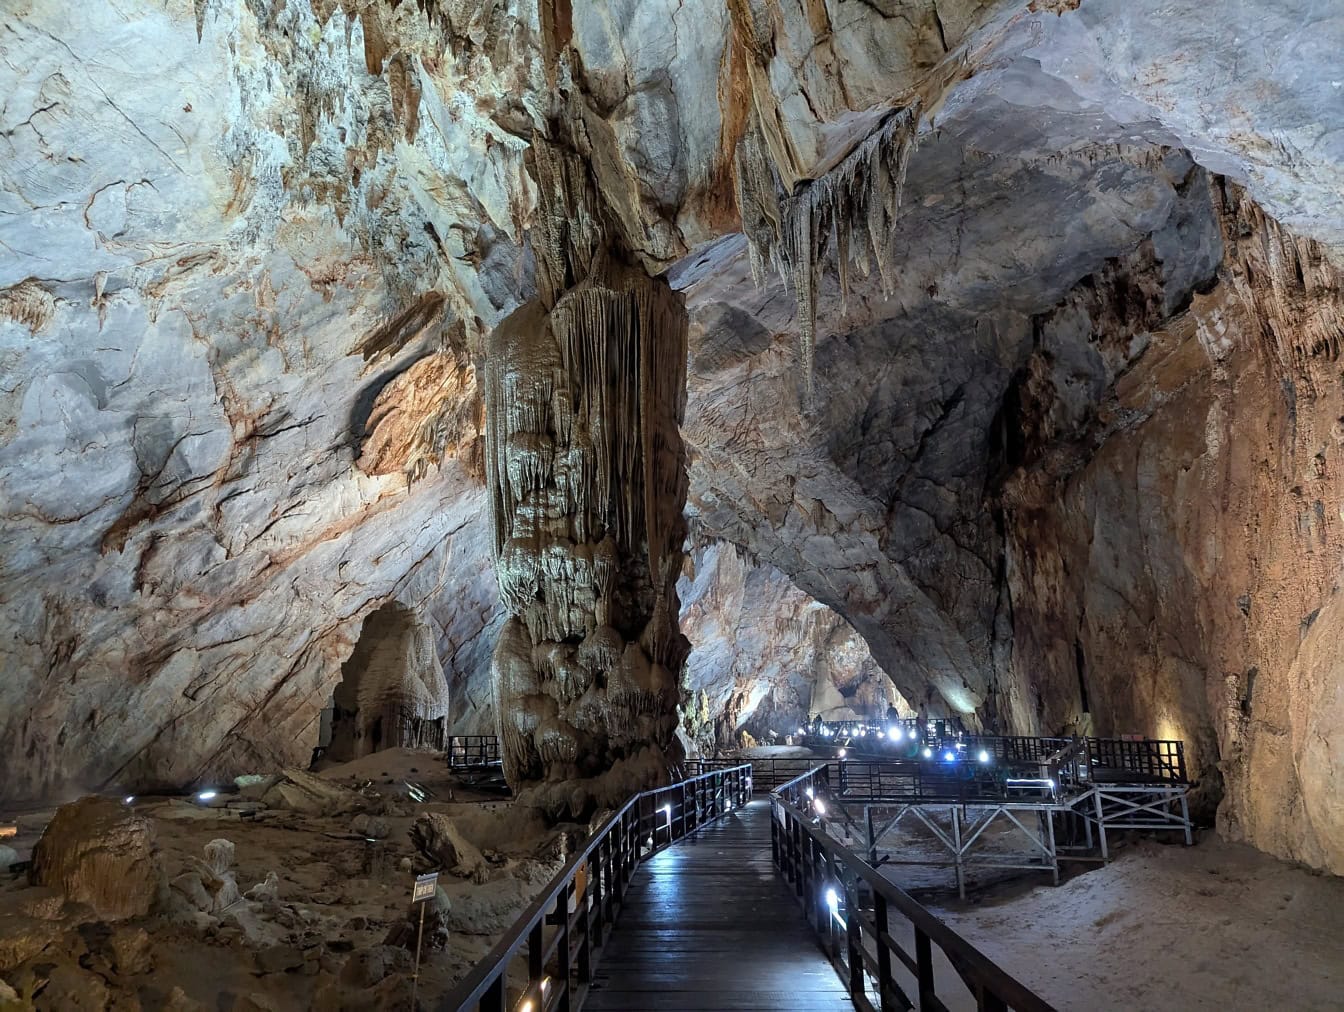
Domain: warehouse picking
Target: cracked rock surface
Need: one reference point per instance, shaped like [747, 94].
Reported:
[1064, 458]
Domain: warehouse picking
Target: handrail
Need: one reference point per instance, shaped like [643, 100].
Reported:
[612, 853]
[812, 861]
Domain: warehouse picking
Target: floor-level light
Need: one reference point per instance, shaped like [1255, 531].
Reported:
[128, 800]
[928, 753]
[207, 795]
[950, 756]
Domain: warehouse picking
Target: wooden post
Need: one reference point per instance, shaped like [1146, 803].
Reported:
[854, 939]
[882, 922]
[924, 968]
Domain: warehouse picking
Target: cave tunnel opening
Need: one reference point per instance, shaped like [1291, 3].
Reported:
[386, 697]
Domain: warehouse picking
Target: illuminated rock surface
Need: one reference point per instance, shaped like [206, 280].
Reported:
[1075, 433]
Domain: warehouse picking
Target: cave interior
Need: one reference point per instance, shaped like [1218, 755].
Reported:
[596, 389]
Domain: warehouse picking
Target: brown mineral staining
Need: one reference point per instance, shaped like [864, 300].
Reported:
[99, 852]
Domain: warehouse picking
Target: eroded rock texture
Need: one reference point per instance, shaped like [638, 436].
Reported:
[766, 657]
[1072, 434]
[1185, 574]
[585, 391]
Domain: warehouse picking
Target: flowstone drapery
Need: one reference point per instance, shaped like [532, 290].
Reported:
[585, 389]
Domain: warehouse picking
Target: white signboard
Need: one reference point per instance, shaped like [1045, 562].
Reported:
[424, 887]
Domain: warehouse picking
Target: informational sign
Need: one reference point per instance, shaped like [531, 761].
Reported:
[424, 887]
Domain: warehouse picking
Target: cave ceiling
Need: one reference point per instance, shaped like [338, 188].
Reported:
[251, 252]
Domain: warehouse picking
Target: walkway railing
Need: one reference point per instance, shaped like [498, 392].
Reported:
[473, 750]
[856, 911]
[561, 933]
[767, 774]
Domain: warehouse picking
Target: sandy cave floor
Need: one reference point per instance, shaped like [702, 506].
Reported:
[1163, 926]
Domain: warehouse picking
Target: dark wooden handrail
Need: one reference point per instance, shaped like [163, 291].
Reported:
[813, 861]
[560, 968]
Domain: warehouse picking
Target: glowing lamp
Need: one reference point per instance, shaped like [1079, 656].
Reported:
[207, 795]
[128, 800]
[809, 792]
[984, 756]
[950, 756]
[818, 806]
[832, 900]
[928, 753]
[843, 752]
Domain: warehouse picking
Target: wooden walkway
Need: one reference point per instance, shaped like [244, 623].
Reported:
[708, 926]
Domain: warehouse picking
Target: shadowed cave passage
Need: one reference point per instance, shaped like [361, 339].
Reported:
[392, 693]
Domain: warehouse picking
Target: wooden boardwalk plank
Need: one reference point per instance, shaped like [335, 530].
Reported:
[706, 926]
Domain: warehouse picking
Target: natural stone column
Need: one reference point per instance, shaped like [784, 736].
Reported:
[587, 478]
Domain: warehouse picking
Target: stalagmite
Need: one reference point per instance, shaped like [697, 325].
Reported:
[855, 204]
[585, 389]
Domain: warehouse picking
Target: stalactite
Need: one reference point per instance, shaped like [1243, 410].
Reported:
[855, 205]
[1288, 285]
[584, 392]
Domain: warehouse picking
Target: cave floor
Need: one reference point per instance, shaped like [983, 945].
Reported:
[708, 924]
[1214, 926]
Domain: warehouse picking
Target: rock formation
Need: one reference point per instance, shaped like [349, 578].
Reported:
[99, 853]
[585, 391]
[1063, 458]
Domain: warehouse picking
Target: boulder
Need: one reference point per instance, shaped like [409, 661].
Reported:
[131, 951]
[442, 842]
[99, 852]
[370, 826]
[311, 795]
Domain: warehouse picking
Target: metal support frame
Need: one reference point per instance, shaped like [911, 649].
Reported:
[964, 830]
[856, 928]
[1135, 806]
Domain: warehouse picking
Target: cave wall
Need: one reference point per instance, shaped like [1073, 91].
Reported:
[765, 656]
[250, 252]
[229, 340]
[1178, 557]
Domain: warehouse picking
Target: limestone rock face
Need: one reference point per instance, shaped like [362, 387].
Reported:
[228, 244]
[765, 657]
[98, 852]
[253, 257]
[1182, 576]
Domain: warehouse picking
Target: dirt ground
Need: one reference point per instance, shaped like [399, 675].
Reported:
[1163, 926]
[342, 888]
